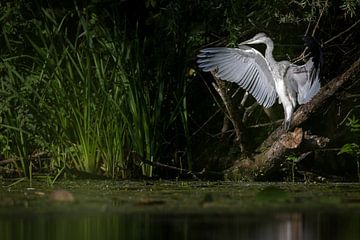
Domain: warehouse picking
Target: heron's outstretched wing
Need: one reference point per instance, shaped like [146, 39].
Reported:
[245, 66]
[304, 80]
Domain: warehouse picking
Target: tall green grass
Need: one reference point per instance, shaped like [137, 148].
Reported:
[93, 107]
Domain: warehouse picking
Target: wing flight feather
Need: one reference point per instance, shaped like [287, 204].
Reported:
[245, 66]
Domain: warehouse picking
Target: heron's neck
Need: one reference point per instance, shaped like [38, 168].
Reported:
[269, 50]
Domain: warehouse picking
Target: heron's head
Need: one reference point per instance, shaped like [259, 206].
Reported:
[258, 38]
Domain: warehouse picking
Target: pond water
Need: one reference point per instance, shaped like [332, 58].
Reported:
[179, 210]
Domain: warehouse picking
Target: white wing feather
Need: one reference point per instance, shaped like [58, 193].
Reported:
[245, 66]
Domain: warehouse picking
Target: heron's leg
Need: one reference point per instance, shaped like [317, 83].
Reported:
[287, 124]
[288, 111]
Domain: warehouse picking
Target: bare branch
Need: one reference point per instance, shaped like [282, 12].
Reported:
[232, 111]
[341, 33]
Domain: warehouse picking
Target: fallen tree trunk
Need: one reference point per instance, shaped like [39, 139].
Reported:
[278, 145]
[264, 163]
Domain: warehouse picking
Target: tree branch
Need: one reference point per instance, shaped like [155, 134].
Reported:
[232, 111]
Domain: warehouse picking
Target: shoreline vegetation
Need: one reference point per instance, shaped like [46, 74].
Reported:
[111, 90]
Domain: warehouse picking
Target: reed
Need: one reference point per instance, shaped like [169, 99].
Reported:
[93, 106]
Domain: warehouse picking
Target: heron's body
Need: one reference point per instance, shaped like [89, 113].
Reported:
[263, 77]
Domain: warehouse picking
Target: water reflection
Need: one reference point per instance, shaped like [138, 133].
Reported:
[142, 225]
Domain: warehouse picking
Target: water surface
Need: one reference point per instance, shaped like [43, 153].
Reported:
[180, 210]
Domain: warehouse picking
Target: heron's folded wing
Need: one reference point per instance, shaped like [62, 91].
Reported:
[245, 66]
[304, 80]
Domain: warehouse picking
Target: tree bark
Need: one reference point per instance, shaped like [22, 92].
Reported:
[279, 144]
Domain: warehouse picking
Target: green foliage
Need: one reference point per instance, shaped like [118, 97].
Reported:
[350, 6]
[350, 148]
[293, 160]
[353, 149]
[101, 86]
[354, 124]
[89, 98]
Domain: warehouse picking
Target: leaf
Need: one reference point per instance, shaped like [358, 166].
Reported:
[350, 148]
[354, 124]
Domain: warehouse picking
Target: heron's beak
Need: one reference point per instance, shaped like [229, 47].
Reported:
[246, 42]
[250, 41]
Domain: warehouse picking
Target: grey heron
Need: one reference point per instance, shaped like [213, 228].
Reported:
[262, 76]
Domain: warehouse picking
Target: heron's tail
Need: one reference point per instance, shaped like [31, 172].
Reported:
[316, 53]
[308, 82]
